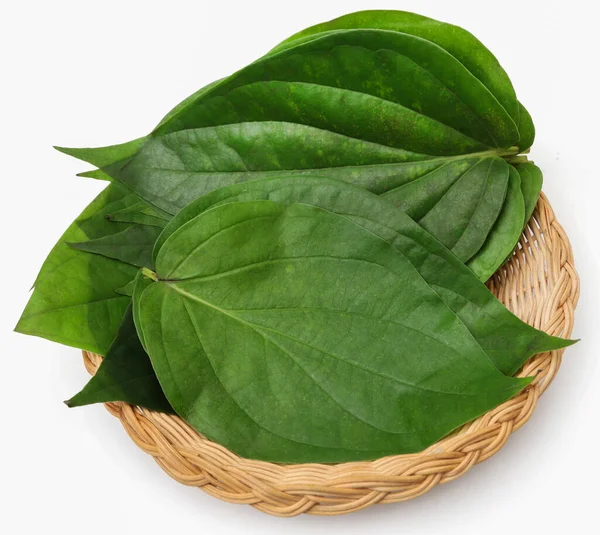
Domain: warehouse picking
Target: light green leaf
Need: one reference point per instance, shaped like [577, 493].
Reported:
[86, 312]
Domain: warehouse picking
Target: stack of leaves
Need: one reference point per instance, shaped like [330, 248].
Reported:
[293, 260]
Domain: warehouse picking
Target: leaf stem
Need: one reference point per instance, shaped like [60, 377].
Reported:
[149, 274]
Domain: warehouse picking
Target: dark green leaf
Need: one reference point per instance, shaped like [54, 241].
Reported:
[531, 186]
[526, 129]
[505, 234]
[354, 83]
[508, 341]
[379, 364]
[131, 246]
[460, 43]
[457, 203]
[125, 374]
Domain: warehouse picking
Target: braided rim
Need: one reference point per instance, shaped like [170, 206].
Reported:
[539, 284]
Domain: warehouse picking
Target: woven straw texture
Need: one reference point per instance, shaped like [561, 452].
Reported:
[539, 284]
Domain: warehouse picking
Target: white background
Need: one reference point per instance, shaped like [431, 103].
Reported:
[102, 72]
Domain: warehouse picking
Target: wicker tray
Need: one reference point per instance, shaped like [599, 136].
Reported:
[539, 284]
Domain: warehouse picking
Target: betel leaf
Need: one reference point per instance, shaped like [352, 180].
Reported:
[140, 213]
[140, 284]
[378, 363]
[526, 129]
[74, 300]
[127, 289]
[456, 199]
[428, 89]
[125, 374]
[132, 246]
[474, 199]
[506, 231]
[508, 341]
[355, 83]
[531, 186]
[465, 47]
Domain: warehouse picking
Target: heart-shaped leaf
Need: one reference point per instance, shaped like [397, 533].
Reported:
[314, 300]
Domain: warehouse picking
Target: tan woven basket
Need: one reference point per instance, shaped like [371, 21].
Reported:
[539, 284]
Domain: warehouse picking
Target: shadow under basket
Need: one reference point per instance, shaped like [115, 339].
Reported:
[538, 283]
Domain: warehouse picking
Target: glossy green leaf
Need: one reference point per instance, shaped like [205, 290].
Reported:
[508, 341]
[96, 174]
[355, 83]
[456, 199]
[459, 42]
[125, 374]
[86, 311]
[132, 246]
[505, 234]
[388, 97]
[531, 186]
[380, 365]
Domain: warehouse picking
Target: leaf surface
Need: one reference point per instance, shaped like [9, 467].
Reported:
[379, 364]
[507, 340]
[125, 374]
[531, 186]
[86, 312]
[457, 41]
[132, 246]
[505, 234]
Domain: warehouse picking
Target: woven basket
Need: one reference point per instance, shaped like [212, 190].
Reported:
[539, 284]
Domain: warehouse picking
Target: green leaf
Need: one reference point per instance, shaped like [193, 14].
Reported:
[378, 362]
[140, 213]
[531, 186]
[455, 40]
[507, 340]
[406, 92]
[132, 246]
[354, 83]
[526, 129]
[86, 312]
[505, 234]
[127, 289]
[96, 174]
[457, 203]
[104, 156]
[125, 374]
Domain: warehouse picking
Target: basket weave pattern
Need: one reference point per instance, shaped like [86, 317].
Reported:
[539, 284]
